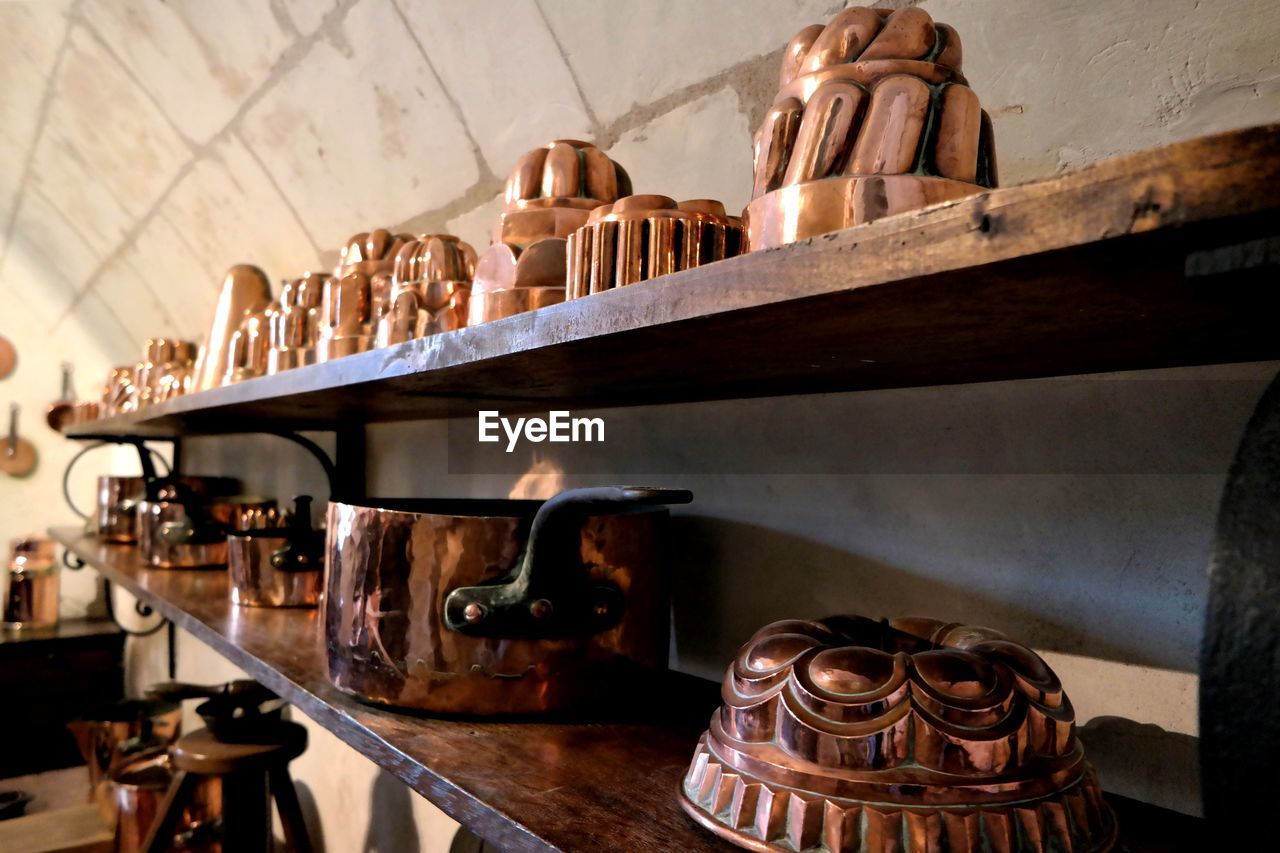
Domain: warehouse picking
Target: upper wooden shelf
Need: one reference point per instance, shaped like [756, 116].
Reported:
[532, 785]
[1156, 259]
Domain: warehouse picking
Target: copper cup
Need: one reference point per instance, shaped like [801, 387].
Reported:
[497, 607]
[103, 731]
[138, 787]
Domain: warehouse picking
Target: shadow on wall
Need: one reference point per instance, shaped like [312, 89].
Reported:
[810, 580]
[391, 824]
[310, 816]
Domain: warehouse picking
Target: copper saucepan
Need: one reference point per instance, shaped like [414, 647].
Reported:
[497, 607]
[279, 565]
[179, 529]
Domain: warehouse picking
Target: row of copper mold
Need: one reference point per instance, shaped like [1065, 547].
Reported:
[549, 195]
[497, 607]
[640, 237]
[850, 734]
[279, 564]
[165, 372]
[32, 585]
[873, 117]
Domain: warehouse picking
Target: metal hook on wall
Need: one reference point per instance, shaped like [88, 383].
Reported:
[17, 455]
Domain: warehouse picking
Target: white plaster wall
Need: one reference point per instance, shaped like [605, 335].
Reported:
[148, 145]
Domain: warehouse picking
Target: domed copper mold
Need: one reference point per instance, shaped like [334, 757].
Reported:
[644, 236]
[358, 295]
[915, 735]
[549, 195]
[873, 117]
[429, 289]
[245, 291]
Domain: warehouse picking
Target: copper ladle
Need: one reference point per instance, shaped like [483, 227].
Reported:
[17, 455]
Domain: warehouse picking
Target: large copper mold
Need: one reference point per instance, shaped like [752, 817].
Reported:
[848, 734]
[430, 287]
[245, 292]
[644, 236]
[549, 195]
[425, 607]
[873, 117]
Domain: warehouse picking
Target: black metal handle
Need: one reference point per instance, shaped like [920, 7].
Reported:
[303, 550]
[546, 594]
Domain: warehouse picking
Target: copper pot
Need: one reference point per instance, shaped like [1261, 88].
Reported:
[31, 600]
[138, 787]
[103, 732]
[497, 607]
[188, 532]
[115, 516]
[281, 565]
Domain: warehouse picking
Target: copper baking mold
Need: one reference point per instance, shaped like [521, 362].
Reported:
[872, 117]
[549, 195]
[914, 734]
[293, 322]
[245, 291]
[430, 288]
[644, 236]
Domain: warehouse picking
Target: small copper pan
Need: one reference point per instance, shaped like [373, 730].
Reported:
[497, 607]
[281, 565]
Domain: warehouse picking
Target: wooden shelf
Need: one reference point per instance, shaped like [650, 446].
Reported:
[1157, 259]
[521, 785]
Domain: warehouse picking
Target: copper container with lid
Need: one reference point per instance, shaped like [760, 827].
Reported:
[497, 607]
[549, 195]
[280, 564]
[848, 734]
[31, 600]
[873, 117]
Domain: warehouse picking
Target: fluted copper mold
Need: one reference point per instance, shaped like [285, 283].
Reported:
[408, 623]
[372, 254]
[873, 117]
[430, 287]
[848, 734]
[644, 236]
[245, 290]
[549, 195]
[293, 323]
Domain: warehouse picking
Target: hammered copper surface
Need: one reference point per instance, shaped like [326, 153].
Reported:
[430, 287]
[257, 582]
[644, 236]
[391, 569]
[31, 600]
[873, 117]
[245, 289]
[849, 734]
[548, 196]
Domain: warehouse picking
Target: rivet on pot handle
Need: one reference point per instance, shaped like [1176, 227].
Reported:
[546, 595]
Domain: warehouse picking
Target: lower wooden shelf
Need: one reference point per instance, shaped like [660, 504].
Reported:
[545, 785]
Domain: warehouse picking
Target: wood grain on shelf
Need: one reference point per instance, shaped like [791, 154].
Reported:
[1155, 259]
[523, 785]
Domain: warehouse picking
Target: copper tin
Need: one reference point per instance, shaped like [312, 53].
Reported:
[915, 735]
[549, 195]
[429, 289]
[249, 347]
[873, 117]
[31, 600]
[407, 624]
[115, 515]
[644, 236]
[245, 290]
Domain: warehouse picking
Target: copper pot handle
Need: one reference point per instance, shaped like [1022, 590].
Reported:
[547, 594]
